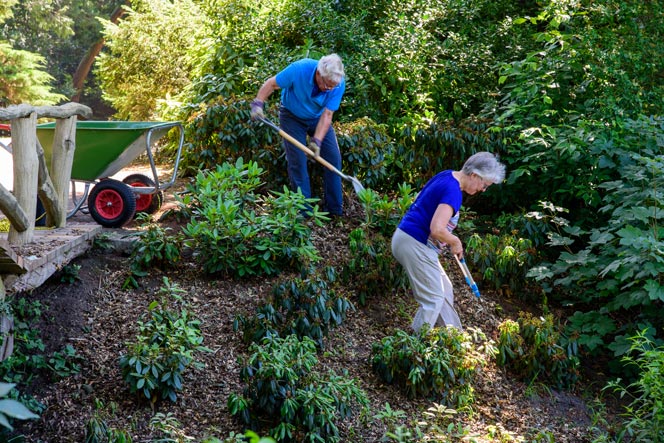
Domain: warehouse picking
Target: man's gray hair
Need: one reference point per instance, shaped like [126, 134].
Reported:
[331, 68]
[486, 165]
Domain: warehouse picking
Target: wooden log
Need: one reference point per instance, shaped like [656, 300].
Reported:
[63, 111]
[64, 145]
[55, 207]
[12, 210]
[26, 165]
[6, 327]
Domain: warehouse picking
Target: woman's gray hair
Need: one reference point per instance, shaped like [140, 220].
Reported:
[331, 68]
[486, 165]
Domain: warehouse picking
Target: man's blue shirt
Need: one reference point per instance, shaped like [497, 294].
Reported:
[300, 94]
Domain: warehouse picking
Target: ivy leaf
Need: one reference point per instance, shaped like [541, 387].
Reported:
[654, 289]
[540, 273]
[590, 341]
[629, 235]
[558, 240]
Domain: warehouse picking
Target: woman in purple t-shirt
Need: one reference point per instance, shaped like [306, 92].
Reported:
[426, 226]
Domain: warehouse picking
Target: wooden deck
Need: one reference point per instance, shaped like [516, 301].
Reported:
[27, 267]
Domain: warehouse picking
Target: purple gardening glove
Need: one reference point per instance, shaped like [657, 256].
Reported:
[257, 109]
[314, 145]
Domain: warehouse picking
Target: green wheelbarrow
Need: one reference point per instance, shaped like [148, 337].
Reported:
[103, 148]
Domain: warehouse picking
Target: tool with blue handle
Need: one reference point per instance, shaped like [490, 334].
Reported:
[467, 275]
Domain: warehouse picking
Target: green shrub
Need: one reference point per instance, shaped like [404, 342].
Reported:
[644, 415]
[383, 212]
[97, 429]
[532, 348]
[439, 145]
[154, 247]
[371, 268]
[304, 306]
[235, 231]
[371, 271]
[286, 395]
[368, 153]
[503, 262]
[537, 226]
[221, 130]
[613, 271]
[70, 273]
[163, 350]
[437, 363]
[65, 363]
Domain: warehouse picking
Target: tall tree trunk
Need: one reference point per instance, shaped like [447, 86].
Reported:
[88, 60]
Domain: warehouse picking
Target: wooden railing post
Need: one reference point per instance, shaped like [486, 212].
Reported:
[64, 144]
[32, 177]
[26, 165]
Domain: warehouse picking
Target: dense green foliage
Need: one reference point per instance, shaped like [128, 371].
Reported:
[438, 363]
[22, 78]
[644, 415]
[304, 307]
[613, 270]
[152, 43]
[533, 348]
[502, 261]
[164, 348]
[285, 393]
[236, 231]
[47, 36]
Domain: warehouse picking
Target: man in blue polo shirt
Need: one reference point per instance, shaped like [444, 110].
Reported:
[311, 92]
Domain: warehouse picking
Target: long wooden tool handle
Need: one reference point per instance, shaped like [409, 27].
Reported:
[309, 152]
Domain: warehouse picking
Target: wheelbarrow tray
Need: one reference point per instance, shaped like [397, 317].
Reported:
[103, 148]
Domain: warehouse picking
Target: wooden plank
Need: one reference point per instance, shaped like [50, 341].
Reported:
[10, 262]
[28, 266]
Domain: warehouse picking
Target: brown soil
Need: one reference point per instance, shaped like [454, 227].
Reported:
[98, 317]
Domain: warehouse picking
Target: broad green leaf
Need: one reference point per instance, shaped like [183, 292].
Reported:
[5, 388]
[16, 410]
[655, 290]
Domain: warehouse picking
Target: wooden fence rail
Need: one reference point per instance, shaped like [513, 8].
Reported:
[32, 176]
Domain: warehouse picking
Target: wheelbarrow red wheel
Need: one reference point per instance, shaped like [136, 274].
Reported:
[145, 203]
[112, 203]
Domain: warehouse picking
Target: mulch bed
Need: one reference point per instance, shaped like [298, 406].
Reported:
[98, 317]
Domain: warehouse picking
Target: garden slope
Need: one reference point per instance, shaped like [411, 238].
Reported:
[98, 317]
